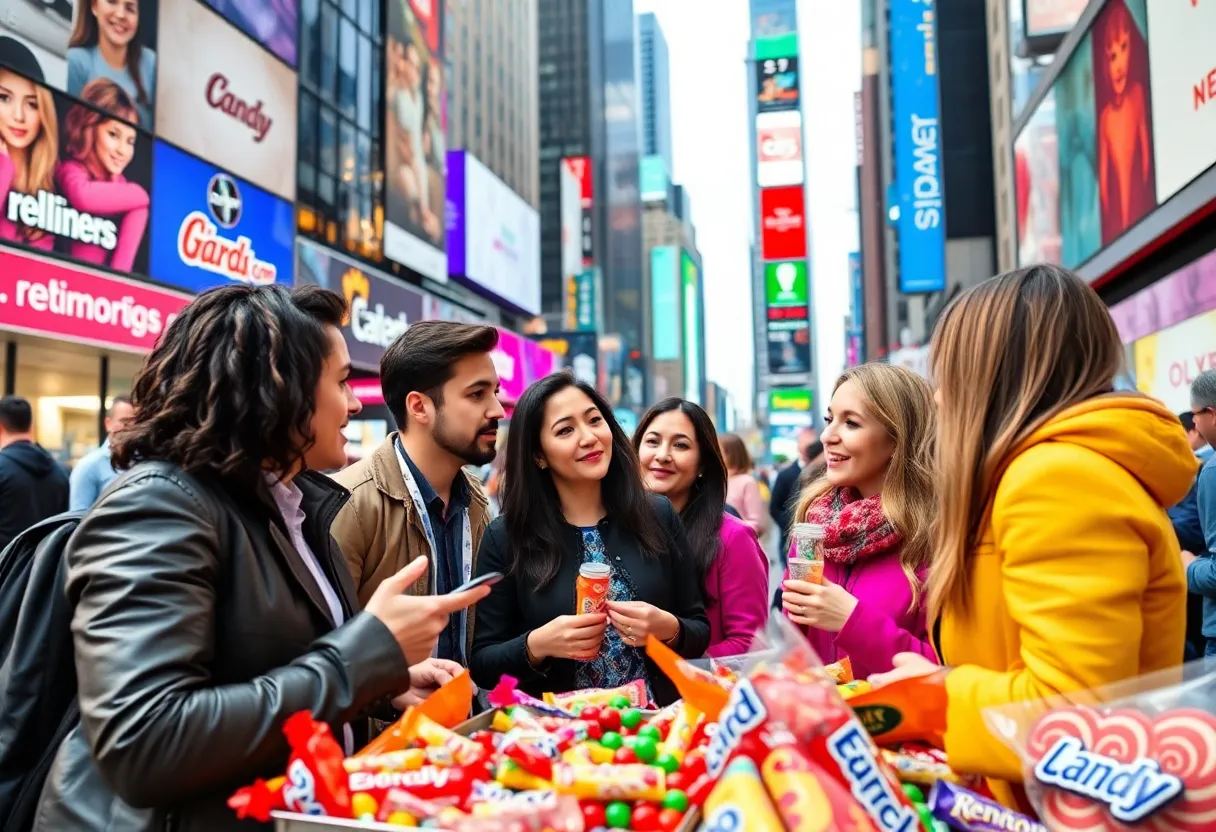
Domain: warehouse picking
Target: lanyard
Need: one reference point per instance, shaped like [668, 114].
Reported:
[466, 533]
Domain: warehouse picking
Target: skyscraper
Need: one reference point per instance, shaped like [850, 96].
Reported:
[656, 90]
[491, 52]
[588, 110]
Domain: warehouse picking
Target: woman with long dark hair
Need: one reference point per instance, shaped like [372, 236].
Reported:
[573, 496]
[678, 451]
[209, 602]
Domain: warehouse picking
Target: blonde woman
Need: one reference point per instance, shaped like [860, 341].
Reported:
[1055, 566]
[29, 139]
[875, 502]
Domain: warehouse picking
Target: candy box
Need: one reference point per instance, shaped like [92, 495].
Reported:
[1137, 755]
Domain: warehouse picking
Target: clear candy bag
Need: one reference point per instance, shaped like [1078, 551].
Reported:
[1137, 755]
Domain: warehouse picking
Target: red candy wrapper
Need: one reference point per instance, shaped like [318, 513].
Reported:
[1137, 755]
[791, 701]
[316, 777]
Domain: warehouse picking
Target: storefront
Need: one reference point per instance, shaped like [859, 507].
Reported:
[74, 339]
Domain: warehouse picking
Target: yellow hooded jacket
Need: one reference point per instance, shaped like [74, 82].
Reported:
[1077, 580]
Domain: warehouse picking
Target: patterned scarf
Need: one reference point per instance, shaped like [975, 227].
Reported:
[855, 527]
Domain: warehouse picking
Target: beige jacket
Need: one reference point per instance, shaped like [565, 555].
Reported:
[379, 530]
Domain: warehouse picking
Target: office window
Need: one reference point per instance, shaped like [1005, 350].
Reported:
[328, 51]
[348, 67]
[363, 77]
[307, 164]
[310, 42]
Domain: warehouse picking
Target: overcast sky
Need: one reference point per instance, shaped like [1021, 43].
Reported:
[710, 146]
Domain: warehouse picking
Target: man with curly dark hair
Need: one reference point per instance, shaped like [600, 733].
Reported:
[209, 601]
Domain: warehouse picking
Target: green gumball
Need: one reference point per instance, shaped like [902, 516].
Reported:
[667, 762]
[611, 740]
[617, 815]
[645, 749]
[675, 799]
[631, 718]
[651, 731]
[619, 702]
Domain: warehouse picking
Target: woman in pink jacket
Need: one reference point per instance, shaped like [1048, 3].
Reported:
[97, 148]
[678, 450]
[742, 490]
[876, 503]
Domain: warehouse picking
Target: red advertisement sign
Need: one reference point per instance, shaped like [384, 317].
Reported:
[580, 166]
[41, 297]
[782, 223]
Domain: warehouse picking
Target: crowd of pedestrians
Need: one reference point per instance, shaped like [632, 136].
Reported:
[1008, 524]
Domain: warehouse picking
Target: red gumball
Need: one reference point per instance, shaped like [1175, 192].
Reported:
[670, 820]
[624, 756]
[677, 780]
[645, 818]
[591, 713]
[593, 815]
[610, 719]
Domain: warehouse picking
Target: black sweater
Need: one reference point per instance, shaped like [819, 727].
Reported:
[514, 607]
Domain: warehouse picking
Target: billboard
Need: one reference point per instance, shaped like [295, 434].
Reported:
[43, 297]
[1168, 362]
[519, 362]
[786, 284]
[690, 280]
[789, 400]
[664, 304]
[576, 351]
[226, 100]
[655, 181]
[272, 24]
[1036, 174]
[493, 235]
[788, 329]
[381, 308]
[583, 301]
[85, 175]
[777, 84]
[1050, 17]
[783, 223]
[211, 228]
[57, 43]
[771, 18]
[579, 169]
[918, 147]
[415, 153]
[1183, 91]
[779, 149]
[572, 219]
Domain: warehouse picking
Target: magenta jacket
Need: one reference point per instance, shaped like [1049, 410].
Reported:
[736, 588]
[881, 624]
[117, 199]
[10, 230]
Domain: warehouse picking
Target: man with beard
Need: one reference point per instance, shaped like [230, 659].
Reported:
[411, 497]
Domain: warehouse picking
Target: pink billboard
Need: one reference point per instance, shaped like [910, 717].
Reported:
[519, 362]
[41, 297]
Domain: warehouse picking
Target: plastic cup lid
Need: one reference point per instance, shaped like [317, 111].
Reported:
[809, 529]
[595, 570]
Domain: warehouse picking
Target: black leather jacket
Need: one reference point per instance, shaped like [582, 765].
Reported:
[198, 630]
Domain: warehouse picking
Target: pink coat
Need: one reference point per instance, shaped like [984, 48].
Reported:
[736, 587]
[743, 495]
[882, 623]
[117, 199]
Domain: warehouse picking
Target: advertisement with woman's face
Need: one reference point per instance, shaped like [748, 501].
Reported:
[72, 44]
[1126, 182]
[1076, 132]
[414, 147]
[73, 179]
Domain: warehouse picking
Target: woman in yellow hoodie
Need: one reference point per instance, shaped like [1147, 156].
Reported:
[1056, 568]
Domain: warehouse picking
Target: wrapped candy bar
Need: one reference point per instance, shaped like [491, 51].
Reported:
[739, 801]
[506, 695]
[967, 811]
[316, 777]
[633, 692]
[612, 782]
[807, 798]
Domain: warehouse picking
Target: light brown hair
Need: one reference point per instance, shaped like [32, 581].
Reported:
[86, 33]
[738, 460]
[81, 123]
[1007, 355]
[902, 402]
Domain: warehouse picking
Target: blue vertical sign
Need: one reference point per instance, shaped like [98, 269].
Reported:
[918, 147]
